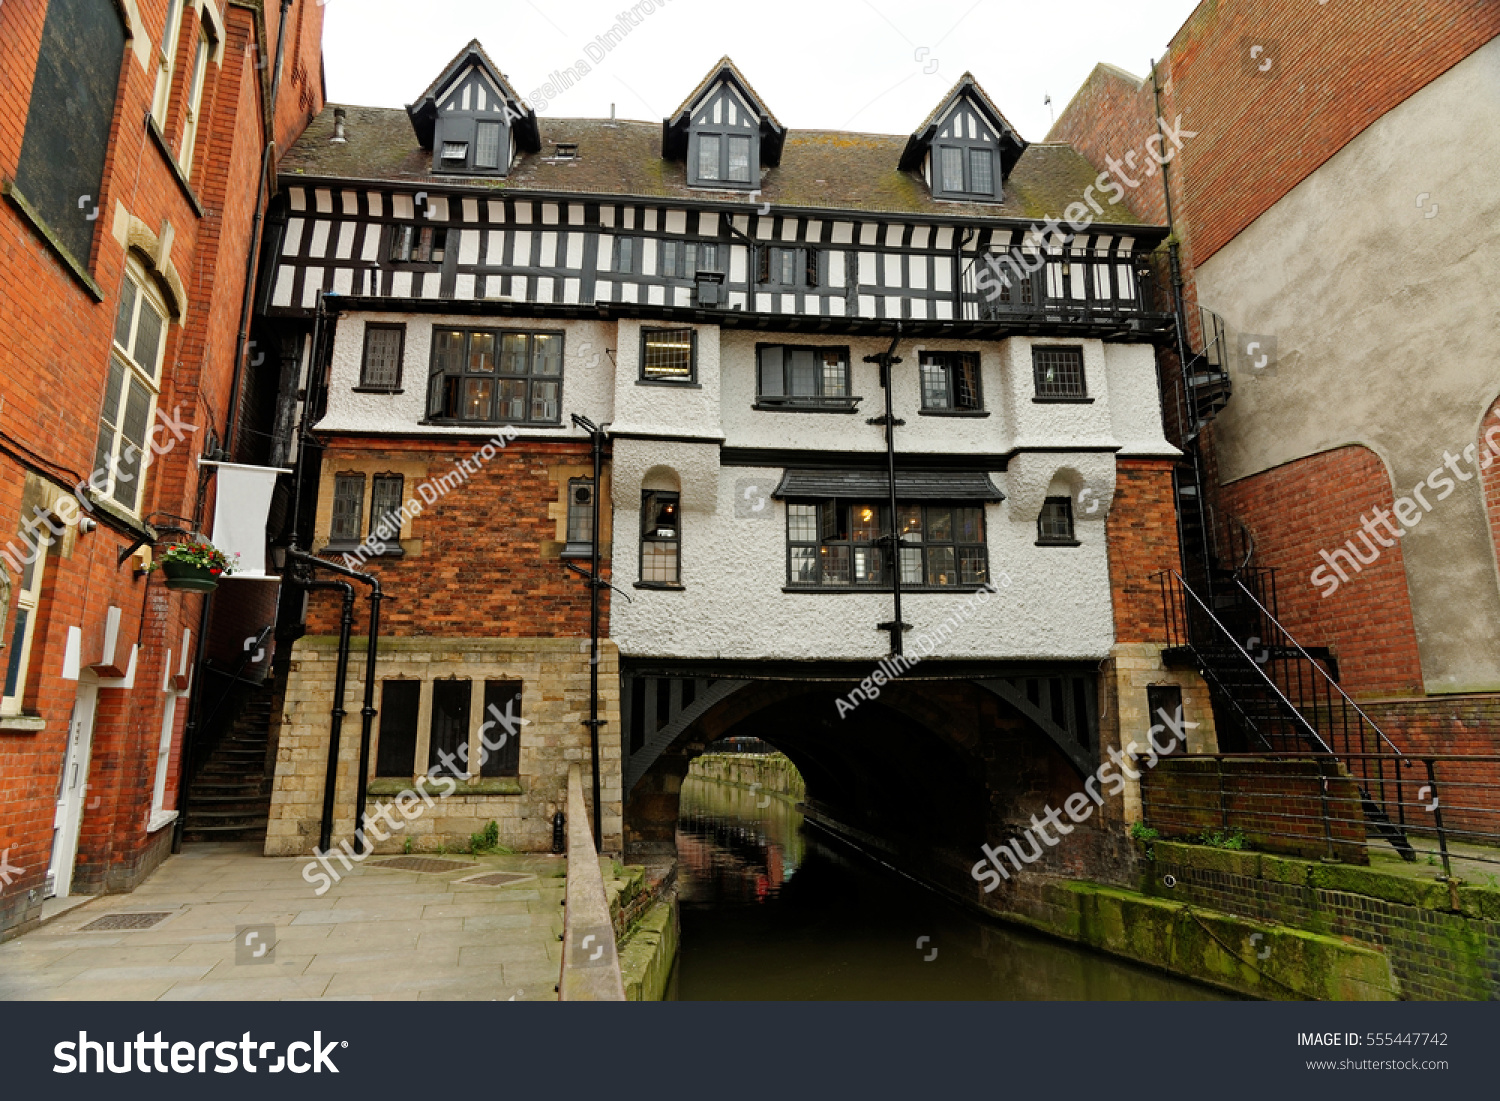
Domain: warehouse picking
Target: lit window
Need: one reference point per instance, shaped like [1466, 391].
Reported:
[496, 377]
[668, 355]
[660, 538]
[130, 394]
[839, 543]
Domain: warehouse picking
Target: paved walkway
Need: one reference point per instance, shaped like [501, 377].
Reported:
[375, 935]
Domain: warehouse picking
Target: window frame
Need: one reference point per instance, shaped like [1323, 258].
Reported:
[618, 255]
[351, 541]
[1081, 395]
[22, 634]
[841, 509]
[417, 244]
[966, 150]
[574, 546]
[806, 266]
[686, 258]
[374, 516]
[820, 402]
[163, 762]
[387, 710]
[651, 499]
[134, 373]
[209, 37]
[161, 97]
[1049, 538]
[949, 362]
[725, 136]
[496, 375]
[690, 380]
[366, 386]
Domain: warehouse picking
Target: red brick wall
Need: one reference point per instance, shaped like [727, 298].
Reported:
[1142, 536]
[1315, 504]
[489, 562]
[1110, 116]
[55, 345]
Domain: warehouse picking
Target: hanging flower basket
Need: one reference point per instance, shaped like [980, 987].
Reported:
[193, 567]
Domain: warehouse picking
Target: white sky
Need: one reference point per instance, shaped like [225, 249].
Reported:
[817, 64]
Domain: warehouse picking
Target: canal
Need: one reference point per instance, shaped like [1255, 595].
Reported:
[773, 910]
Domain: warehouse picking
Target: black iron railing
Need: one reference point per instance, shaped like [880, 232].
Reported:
[1447, 805]
[1059, 287]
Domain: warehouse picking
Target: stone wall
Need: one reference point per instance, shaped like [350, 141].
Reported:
[554, 704]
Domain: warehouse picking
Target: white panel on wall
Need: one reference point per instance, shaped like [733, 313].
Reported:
[325, 200]
[377, 203]
[843, 233]
[544, 286]
[432, 285]
[919, 309]
[869, 234]
[736, 300]
[350, 202]
[549, 250]
[676, 221]
[893, 235]
[867, 305]
[370, 253]
[317, 245]
[604, 291]
[463, 286]
[708, 224]
[606, 253]
[292, 243]
[550, 213]
[892, 306]
[437, 208]
[943, 310]
[343, 281]
[606, 216]
[401, 284]
[682, 296]
[575, 251]
[788, 303]
[916, 267]
[345, 248]
[496, 210]
[297, 197]
[893, 272]
[627, 217]
[649, 221]
[286, 276]
[402, 206]
[944, 237]
[789, 229]
[312, 284]
[737, 264]
[575, 214]
[656, 296]
[523, 214]
[765, 229]
[518, 286]
[814, 230]
[471, 210]
[919, 235]
[942, 276]
[494, 253]
[648, 256]
[836, 307]
[762, 303]
[571, 288]
[630, 292]
[835, 269]
[521, 252]
[468, 247]
[867, 267]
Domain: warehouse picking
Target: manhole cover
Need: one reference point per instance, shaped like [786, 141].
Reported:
[496, 879]
[126, 921]
[422, 864]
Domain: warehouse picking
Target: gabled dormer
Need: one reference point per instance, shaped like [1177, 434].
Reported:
[723, 133]
[965, 148]
[472, 120]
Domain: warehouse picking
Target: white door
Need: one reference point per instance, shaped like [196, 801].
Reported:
[70, 801]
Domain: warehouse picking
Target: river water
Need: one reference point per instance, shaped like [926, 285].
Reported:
[772, 910]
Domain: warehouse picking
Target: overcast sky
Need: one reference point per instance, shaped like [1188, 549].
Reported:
[818, 64]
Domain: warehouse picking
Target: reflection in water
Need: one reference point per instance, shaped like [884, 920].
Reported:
[770, 911]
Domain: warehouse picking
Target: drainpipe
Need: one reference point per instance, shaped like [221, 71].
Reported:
[336, 722]
[367, 712]
[887, 360]
[596, 584]
[252, 262]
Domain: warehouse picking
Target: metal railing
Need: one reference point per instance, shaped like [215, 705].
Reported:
[1308, 804]
[1062, 288]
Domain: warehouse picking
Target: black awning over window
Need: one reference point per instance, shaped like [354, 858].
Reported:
[875, 485]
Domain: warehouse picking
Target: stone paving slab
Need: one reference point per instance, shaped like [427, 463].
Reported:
[375, 934]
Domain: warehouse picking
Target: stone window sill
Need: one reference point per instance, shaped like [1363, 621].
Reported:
[498, 785]
[23, 724]
[160, 820]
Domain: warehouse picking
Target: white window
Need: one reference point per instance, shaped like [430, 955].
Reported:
[457, 151]
[163, 756]
[195, 102]
[130, 397]
[166, 63]
[22, 631]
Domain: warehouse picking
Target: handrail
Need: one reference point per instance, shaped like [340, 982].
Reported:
[591, 962]
[1292, 708]
[1320, 670]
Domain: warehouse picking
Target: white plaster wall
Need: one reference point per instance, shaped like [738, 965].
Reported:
[670, 409]
[1055, 606]
[588, 377]
[1387, 323]
[1135, 400]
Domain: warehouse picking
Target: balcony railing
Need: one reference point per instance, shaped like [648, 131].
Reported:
[1063, 288]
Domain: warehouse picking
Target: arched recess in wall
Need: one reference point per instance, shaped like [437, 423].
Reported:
[147, 247]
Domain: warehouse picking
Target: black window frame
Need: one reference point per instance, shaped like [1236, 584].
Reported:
[437, 386]
[385, 479]
[686, 258]
[1055, 524]
[459, 722]
[644, 379]
[366, 385]
[418, 245]
[966, 150]
[805, 262]
[1044, 391]
[632, 264]
[652, 500]
[950, 363]
[724, 134]
[503, 760]
[397, 740]
[576, 545]
[821, 402]
[343, 478]
[835, 523]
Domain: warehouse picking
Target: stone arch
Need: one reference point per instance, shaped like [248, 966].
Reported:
[153, 252]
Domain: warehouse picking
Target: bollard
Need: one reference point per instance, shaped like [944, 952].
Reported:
[559, 833]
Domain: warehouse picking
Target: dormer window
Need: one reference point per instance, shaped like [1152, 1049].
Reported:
[472, 120]
[965, 148]
[969, 171]
[722, 134]
[566, 151]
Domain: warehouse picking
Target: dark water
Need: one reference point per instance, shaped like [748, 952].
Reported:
[771, 910]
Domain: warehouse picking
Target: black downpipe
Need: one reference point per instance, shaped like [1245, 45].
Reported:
[887, 360]
[594, 595]
[336, 722]
[367, 712]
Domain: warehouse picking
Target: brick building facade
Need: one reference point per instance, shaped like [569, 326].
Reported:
[131, 138]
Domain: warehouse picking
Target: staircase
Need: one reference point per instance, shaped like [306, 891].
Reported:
[230, 795]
